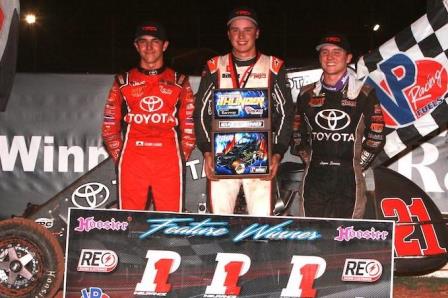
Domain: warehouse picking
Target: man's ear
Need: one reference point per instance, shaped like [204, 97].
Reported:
[349, 58]
[165, 45]
[257, 34]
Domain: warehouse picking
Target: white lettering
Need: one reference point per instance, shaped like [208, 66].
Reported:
[191, 164]
[94, 156]
[78, 158]
[335, 137]
[28, 150]
[48, 154]
[430, 156]
[28, 157]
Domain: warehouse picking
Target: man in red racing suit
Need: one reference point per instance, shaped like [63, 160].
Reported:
[156, 103]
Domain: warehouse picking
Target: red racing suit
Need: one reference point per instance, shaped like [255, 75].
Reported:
[157, 107]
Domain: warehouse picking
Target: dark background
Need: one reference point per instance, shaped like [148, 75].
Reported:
[95, 36]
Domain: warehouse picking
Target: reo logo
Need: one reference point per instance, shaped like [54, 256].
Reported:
[93, 292]
[362, 270]
[90, 195]
[151, 103]
[332, 119]
[97, 260]
[409, 89]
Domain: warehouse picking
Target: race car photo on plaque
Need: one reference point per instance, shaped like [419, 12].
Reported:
[241, 154]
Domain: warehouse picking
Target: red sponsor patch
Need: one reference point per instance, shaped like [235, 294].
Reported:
[316, 101]
[377, 127]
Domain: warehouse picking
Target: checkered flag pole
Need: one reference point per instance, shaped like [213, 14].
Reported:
[424, 40]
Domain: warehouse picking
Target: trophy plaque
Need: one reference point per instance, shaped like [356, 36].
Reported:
[241, 133]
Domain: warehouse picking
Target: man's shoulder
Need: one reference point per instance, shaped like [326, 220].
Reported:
[122, 78]
[275, 64]
[213, 63]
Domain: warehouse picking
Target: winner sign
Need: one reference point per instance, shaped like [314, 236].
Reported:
[141, 254]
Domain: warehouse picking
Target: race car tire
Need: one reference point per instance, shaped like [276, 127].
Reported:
[31, 260]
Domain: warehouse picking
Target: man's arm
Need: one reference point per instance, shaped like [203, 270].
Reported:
[186, 123]
[203, 111]
[111, 129]
[283, 112]
[300, 134]
[374, 133]
[282, 118]
[203, 118]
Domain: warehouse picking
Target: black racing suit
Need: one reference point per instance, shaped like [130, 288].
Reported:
[339, 135]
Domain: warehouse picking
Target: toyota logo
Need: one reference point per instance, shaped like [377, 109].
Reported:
[90, 195]
[332, 119]
[151, 103]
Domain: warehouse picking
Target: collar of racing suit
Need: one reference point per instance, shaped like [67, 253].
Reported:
[354, 85]
[151, 72]
[248, 62]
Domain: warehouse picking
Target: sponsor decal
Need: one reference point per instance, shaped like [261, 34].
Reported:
[409, 89]
[45, 222]
[348, 233]
[251, 111]
[149, 118]
[332, 119]
[373, 144]
[89, 223]
[377, 127]
[90, 195]
[241, 124]
[377, 118]
[375, 136]
[93, 292]
[258, 75]
[348, 103]
[165, 90]
[362, 270]
[151, 104]
[137, 83]
[335, 137]
[96, 260]
[159, 265]
[316, 102]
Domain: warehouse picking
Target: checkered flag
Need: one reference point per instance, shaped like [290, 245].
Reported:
[409, 73]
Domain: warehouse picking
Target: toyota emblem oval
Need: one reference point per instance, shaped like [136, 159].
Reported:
[90, 195]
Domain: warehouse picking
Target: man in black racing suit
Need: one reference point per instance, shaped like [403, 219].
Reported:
[340, 130]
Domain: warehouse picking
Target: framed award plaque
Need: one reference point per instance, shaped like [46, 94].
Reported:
[241, 133]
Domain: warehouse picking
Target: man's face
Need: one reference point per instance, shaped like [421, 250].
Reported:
[242, 35]
[334, 60]
[151, 50]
